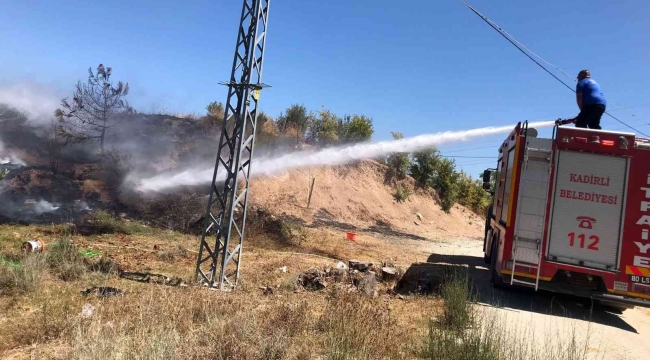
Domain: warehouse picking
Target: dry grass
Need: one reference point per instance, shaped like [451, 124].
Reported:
[152, 322]
[22, 277]
[361, 328]
[200, 324]
[461, 331]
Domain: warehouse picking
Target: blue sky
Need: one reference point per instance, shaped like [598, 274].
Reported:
[415, 66]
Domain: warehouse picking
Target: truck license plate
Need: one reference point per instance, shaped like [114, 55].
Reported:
[639, 279]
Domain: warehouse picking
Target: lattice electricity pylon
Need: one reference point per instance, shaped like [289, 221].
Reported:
[228, 199]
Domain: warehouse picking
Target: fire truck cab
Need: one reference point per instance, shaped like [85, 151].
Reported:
[571, 214]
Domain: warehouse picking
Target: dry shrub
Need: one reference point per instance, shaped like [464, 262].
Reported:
[456, 291]
[22, 277]
[172, 255]
[181, 211]
[283, 230]
[104, 265]
[68, 264]
[64, 259]
[101, 222]
[360, 328]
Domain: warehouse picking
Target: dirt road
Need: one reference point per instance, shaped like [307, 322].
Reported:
[611, 336]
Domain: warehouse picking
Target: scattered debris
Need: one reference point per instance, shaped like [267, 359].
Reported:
[312, 279]
[341, 265]
[401, 297]
[34, 245]
[367, 284]
[283, 269]
[87, 311]
[152, 278]
[388, 273]
[102, 291]
[419, 216]
[358, 265]
[338, 274]
[266, 290]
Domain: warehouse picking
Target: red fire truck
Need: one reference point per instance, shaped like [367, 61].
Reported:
[571, 214]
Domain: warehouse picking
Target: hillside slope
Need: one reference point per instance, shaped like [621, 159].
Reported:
[356, 197]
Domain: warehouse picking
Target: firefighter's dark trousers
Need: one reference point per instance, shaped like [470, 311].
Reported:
[589, 116]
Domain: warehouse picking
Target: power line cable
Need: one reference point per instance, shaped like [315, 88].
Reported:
[521, 48]
[468, 157]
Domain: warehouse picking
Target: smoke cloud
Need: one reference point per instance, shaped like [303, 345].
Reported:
[330, 156]
[43, 206]
[37, 101]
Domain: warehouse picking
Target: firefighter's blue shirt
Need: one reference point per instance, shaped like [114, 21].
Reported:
[591, 92]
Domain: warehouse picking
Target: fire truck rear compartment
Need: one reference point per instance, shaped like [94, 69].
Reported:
[587, 209]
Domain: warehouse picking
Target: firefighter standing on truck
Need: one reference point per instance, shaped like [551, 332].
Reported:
[591, 101]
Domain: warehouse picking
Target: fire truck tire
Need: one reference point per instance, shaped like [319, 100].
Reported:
[488, 234]
[486, 258]
[495, 277]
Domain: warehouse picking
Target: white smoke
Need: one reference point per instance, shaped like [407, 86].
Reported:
[37, 101]
[8, 157]
[330, 156]
[43, 206]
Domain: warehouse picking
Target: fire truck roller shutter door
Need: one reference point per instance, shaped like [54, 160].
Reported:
[587, 209]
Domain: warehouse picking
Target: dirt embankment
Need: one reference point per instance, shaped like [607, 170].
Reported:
[356, 197]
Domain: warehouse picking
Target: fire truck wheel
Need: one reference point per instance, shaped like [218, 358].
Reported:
[495, 277]
[486, 258]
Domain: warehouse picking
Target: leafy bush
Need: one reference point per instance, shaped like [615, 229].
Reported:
[355, 128]
[398, 163]
[446, 183]
[402, 193]
[471, 194]
[425, 166]
[323, 129]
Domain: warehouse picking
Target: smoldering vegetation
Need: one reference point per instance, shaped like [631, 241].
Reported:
[48, 176]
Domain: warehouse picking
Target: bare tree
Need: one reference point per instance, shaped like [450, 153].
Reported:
[54, 144]
[93, 108]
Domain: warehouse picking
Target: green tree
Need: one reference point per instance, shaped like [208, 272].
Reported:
[398, 163]
[215, 109]
[262, 120]
[446, 183]
[465, 189]
[295, 117]
[265, 135]
[323, 128]
[94, 108]
[355, 128]
[424, 166]
[482, 199]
